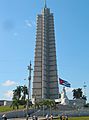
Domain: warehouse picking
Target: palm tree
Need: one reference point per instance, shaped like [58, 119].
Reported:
[25, 92]
[15, 103]
[16, 97]
[49, 103]
[77, 93]
[19, 96]
[79, 90]
[74, 93]
[17, 92]
[37, 105]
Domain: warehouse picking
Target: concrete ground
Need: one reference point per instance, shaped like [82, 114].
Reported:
[40, 118]
[19, 119]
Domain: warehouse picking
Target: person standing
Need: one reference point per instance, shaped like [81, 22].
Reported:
[63, 117]
[4, 117]
[60, 117]
[66, 117]
[47, 117]
[51, 117]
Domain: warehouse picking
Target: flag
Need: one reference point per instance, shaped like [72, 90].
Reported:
[65, 83]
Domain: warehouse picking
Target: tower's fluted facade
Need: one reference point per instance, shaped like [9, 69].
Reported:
[45, 78]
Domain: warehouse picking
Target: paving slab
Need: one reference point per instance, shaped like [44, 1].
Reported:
[40, 118]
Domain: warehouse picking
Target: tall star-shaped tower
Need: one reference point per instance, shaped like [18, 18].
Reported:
[45, 79]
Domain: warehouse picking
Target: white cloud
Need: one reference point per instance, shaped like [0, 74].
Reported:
[69, 89]
[9, 83]
[8, 94]
[28, 23]
[69, 92]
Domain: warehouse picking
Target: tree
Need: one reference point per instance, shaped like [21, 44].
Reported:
[86, 105]
[16, 97]
[17, 92]
[25, 92]
[19, 96]
[45, 102]
[49, 103]
[77, 93]
[15, 103]
[84, 97]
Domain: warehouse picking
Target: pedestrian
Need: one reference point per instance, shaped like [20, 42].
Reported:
[47, 117]
[60, 117]
[66, 117]
[51, 117]
[34, 117]
[4, 117]
[63, 117]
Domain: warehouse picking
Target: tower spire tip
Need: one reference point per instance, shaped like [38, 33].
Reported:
[45, 5]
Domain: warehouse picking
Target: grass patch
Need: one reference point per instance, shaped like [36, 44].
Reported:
[79, 118]
[76, 118]
[8, 108]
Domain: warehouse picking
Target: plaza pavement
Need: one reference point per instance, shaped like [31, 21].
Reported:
[19, 119]
[40, 118]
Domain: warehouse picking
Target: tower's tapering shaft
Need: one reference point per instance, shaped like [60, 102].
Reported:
[45, 80]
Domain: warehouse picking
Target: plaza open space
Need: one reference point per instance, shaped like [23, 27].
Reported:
[70, 118]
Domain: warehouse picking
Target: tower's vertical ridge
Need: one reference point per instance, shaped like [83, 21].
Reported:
[45, 80]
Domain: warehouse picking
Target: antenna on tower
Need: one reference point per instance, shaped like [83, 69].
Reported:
[45, 5]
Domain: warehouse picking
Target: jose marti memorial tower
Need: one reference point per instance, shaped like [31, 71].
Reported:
[45, 78]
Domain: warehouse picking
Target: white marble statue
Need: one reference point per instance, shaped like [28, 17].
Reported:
[64, 98]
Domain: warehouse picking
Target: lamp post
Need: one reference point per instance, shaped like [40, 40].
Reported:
[29, 89]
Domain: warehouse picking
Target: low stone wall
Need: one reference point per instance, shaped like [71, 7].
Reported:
[77, 102]
[16, 114]
[79, 112]
[22, 113]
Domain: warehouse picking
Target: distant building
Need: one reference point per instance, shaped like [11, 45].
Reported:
[45, 79]
[5, 103]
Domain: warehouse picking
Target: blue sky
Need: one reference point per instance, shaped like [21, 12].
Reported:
[17, 41]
